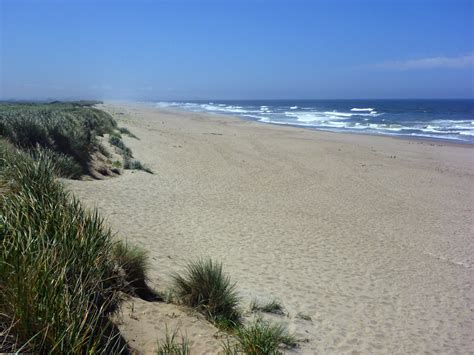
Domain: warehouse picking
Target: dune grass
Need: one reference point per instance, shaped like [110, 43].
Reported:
[134, 164]
[70, 129]
[260, 338]
[273, 306]
[172, 346]
[206, 288]
[60, 277]
[133, 264]
[128, 161]
[117, 142]
[304, 316]
[124, 130]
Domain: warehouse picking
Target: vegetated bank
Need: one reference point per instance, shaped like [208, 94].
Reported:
[61, 273]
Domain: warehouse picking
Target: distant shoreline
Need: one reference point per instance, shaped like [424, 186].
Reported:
[436, 120]
[438, 141]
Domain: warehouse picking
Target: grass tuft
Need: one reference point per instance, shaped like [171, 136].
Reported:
[260, 338]
[134, 164]
[123, 149]
[124, 130]
[206, 288]
[133, 263]
[171, 346]
[304, 316]
[273, 306]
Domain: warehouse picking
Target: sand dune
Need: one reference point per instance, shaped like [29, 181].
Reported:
[369, 236]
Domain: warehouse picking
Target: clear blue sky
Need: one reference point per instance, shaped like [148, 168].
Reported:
[140, 49]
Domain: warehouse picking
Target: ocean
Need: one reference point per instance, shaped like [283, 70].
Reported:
[451, 120]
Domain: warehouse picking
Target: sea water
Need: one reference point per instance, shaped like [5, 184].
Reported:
[436, 119]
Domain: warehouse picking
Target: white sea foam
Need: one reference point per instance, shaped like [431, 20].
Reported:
[356, 120]
[356, 109]
[335, 113]
[223, 108]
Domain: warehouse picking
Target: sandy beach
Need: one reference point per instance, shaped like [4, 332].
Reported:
[370, 237]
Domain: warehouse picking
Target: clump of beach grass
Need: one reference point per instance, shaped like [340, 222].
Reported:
[124, 130]
[134, 164]
[172, 346]
[128, 161]
[133, 262]
[206, 288]
[122, 148]
[273, 306]
[304, 316]
[260, 338]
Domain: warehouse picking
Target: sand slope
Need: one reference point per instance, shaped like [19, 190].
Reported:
[372, 237]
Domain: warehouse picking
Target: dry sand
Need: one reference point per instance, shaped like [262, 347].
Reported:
[372, 237]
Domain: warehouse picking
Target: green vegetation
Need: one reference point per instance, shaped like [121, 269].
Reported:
[67, 132]
[65, 165]
[128, 161]
[70, 129]
[134, 164]
[303, 316]
[171, 346]
[116, 141]
[133, 262]
[273, 306]
[260, 338]
[60, 274]
[127, 132]
[206, 288]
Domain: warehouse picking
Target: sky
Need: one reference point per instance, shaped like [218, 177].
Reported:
[230, 49]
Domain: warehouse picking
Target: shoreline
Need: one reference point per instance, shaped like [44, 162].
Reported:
[233, 116]
[368, 237]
